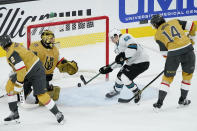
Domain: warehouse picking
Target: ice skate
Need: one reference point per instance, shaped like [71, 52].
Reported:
[157, 106]
[112, 94]
[60, 118]
[12, 118]
[137, 97]
[183, 102]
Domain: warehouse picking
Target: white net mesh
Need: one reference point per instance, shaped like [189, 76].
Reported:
[82, 40]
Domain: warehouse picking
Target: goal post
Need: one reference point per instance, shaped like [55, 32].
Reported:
[80, 22]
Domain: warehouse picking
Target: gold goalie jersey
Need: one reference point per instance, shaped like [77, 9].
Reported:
[49, 57]
[171, 37]
[18, 58]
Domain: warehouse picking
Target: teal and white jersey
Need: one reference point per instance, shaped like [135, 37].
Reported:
[133, 50]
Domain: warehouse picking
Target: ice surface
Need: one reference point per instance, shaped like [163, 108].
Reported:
[86, 108]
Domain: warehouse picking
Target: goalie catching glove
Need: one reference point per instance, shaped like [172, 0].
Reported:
[105, 69]
[68, 66]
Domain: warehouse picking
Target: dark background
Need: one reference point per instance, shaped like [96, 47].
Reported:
[3, 2]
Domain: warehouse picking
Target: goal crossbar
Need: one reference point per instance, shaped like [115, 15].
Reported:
[106, 18]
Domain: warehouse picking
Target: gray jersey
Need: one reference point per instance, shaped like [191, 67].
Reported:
[133, 50]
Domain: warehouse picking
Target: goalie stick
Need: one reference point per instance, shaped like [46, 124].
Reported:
[86, 82]
[121, 100]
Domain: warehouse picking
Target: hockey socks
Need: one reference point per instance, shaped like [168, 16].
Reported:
[14, 116]
[136, 91]
[159, 103]
[53, 108]
[184, 91]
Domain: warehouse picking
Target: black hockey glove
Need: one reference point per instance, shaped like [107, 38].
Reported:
[120, 58]
[105, 69]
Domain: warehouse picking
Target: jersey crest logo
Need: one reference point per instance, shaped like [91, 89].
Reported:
[49, 63]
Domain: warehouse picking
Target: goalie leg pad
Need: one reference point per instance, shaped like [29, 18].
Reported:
[44, 98]
[54, 94]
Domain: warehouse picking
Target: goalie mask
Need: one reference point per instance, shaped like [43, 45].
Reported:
[5, 41]
[47, 37]
[157, 20]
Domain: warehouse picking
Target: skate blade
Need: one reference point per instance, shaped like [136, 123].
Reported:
[62, 122]
[13, 122]
[182, 106]
[138, 103]
[156, 110]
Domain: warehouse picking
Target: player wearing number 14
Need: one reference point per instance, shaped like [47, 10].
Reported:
[177, 47]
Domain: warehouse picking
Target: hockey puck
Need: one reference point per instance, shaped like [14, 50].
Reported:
[79, 85]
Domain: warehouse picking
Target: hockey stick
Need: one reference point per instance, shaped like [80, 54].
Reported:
[86, 82]
[23, 102]
[121, 100]
[2, 95]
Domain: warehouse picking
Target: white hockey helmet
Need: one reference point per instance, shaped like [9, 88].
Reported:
[114, 32]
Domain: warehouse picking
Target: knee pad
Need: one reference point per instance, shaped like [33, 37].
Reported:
[44, 98]
[167, 79]
[187, 76]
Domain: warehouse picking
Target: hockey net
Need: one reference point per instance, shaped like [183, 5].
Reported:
[82, 40]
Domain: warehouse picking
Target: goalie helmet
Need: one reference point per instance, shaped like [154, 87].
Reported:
[47, 37]
[114, 32]
[5, 41]
[157, 20]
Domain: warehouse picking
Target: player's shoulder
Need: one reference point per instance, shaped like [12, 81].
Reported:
[173, 21]
[16, 47]
[126, 37]
[35, 45]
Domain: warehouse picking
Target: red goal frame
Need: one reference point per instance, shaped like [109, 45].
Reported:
[106, 18]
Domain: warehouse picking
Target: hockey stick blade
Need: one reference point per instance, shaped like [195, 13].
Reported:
[86, 82]
[2, 96]
[83, 79]
[121, 100]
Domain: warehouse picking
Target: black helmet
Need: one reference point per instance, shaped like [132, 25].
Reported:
[157, 20]
[5, 41]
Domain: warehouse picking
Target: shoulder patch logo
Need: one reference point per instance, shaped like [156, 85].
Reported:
[12, 59]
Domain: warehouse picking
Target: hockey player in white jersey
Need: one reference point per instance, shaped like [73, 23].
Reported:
[131, 58]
